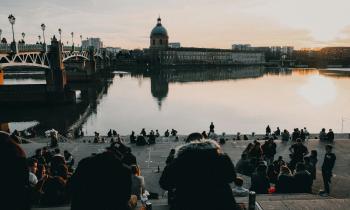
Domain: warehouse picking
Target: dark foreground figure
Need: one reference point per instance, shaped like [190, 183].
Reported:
[199, 176]
[14, 189]
[101, 182]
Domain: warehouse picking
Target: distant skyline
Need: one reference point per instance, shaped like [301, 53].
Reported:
[197, 23]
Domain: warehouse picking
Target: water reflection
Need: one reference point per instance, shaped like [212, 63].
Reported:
[237, 99]
[61, 118]
[318, 90]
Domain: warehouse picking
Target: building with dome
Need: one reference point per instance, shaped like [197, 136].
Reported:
[159, 36]
[159, 53]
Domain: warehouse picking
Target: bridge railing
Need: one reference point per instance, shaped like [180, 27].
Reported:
[30, 47]
[6, 48]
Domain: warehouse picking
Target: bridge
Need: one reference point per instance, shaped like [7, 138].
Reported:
[53, 59]
[36, 55]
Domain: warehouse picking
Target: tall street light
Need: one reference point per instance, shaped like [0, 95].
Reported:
[60, 33]
[13, 45]
[12, 21]
[23, 35]
[72, 38]
[0, 34]
[81, 42]
[43, 26]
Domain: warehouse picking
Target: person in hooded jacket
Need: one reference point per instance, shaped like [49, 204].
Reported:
[191, 176]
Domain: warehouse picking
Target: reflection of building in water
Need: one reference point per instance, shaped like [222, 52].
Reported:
[159, 87]
[334, 73]
[160, 53]
[160, 82]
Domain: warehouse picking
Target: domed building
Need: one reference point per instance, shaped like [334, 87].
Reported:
[159, 36]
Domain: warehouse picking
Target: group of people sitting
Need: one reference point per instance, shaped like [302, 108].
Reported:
[48, 178]
[148, 139]
[296, 176]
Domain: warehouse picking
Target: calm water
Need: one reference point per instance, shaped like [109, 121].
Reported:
[243, 100]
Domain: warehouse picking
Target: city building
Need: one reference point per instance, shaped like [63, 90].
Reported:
[113, 50]
[159, 36]
[92, 42]
[161, 53]
[241, 47]
[175, 45]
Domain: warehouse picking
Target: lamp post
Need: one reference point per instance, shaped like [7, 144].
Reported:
[12, 21]
[23, 35]
[81, 42]
[43, 26]
[60, 33]
[72, 34]
[0, 34]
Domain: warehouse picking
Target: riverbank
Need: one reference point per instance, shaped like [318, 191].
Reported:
[42, 139]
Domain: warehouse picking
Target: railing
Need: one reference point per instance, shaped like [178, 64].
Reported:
[6, 48]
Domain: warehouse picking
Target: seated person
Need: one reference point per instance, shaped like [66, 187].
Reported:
[302, 179]
[239, 190]
[259, 182]
[285, 181]
[243, 166]
[191, 174]
[137, 182]
[141, 141]
[101, 182]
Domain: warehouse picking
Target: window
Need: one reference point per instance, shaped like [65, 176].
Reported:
[161, 42]
[154, 42]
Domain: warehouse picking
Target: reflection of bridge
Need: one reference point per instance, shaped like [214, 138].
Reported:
[61, 118]
[53, 59]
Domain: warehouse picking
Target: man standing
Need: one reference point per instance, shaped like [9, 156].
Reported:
[327, 167]
[330, 136]
[211, 127]
[268, 130]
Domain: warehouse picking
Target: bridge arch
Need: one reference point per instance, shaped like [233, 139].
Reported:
[75, 56]
[33, 59]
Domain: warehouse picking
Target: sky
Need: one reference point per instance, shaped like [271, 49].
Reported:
[193, 23]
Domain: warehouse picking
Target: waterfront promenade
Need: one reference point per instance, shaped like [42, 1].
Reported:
[150, 157]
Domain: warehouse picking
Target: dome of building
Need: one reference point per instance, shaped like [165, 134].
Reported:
[159, 30]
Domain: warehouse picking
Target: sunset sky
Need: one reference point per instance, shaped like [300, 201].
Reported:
[198, 23]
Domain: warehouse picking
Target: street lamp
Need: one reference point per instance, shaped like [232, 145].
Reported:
[81, 42]
[60, 32]
[43, 28]
[12, 21]
[13, 45]
[0, 34]
[23, 35]
[72, 38]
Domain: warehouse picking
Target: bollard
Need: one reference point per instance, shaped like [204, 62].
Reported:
[251, 202]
